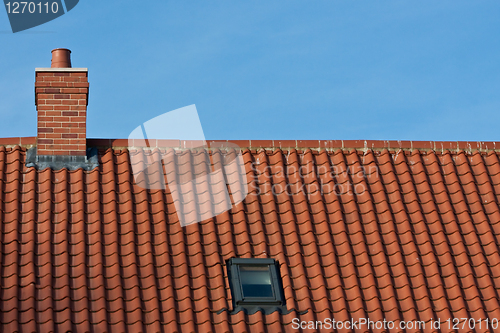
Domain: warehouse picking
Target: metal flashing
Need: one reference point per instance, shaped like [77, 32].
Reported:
[58, 162]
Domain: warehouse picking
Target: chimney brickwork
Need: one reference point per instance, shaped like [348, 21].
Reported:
[61, 98]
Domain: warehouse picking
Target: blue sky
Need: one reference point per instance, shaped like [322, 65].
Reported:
[317, 69]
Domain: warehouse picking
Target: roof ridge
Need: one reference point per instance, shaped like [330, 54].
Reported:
[455, 146]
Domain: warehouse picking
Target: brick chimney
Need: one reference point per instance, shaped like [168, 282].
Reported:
[61, 98]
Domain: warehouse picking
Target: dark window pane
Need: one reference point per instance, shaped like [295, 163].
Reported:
[256, 281]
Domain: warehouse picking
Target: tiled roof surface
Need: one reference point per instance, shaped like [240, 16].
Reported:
[380, 234]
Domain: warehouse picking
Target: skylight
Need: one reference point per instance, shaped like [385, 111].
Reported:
[255, 284]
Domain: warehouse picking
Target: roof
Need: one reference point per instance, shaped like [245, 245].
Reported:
[400, 234]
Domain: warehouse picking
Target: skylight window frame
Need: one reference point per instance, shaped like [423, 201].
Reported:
[236, 286]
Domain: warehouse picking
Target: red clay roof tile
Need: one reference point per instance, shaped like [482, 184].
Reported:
[387, 230]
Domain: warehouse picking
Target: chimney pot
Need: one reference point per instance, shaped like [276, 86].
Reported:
[61, 58]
